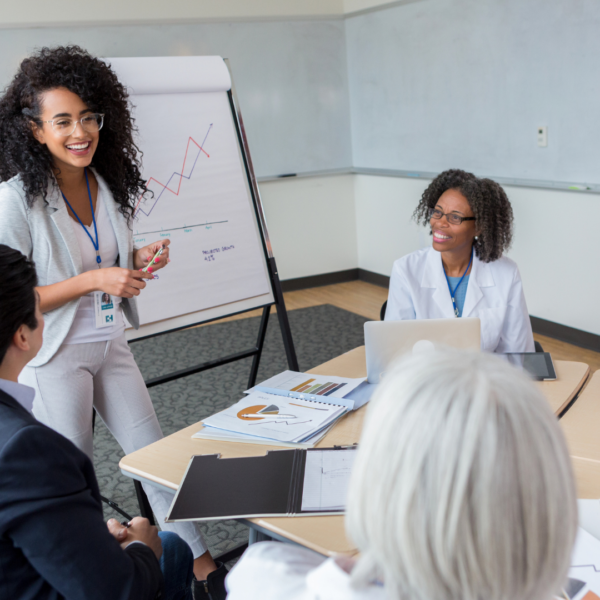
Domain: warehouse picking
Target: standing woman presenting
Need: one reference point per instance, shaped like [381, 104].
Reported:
[71, 177]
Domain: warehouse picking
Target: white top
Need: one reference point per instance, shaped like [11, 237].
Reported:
[276, 571]
[419, 290]
[83, 329]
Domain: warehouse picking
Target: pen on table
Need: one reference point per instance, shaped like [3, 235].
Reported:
[355, 445]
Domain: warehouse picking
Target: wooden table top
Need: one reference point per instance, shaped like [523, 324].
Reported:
[581, 426]
[165, 461]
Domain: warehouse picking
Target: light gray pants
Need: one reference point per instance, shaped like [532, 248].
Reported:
[104, 376]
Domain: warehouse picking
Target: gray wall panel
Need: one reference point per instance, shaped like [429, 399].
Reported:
[291, 78]
[465, 83]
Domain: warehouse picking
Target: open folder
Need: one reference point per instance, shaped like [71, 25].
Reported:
[281, 483]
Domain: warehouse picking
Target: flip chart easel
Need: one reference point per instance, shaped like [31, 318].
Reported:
[218, 213]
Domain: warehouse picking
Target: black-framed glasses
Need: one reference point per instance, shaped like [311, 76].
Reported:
[454, 219]
[65, 126]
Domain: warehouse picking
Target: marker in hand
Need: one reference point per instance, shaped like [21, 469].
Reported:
[145, 269]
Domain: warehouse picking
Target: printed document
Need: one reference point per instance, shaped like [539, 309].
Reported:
[326, 479]
[276, 417]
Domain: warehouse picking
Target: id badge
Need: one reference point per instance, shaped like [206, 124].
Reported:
[104, 309]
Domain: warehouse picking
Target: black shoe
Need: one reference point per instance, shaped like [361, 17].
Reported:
[214, 586]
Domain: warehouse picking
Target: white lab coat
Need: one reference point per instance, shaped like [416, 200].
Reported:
[276, 571]
[419, 290]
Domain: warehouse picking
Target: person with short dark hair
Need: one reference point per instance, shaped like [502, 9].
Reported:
[53, 541]
[465, 272]
[71, 179]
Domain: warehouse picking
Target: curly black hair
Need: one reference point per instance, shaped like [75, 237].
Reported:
[489, 203]
[71, 67]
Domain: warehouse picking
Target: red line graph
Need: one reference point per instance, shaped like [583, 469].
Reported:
[181, 175]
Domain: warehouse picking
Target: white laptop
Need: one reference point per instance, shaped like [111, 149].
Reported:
[386, 340]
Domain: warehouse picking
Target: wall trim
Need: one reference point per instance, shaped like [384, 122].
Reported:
[266, 18]
[564, 333]
[374, 278]
[557, 331]
[303, 283]
[563, 186]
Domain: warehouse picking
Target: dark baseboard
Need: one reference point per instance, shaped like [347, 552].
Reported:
[302, 283]
[577, 337]
[374, 278]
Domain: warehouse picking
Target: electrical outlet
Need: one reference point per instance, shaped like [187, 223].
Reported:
[542, 136]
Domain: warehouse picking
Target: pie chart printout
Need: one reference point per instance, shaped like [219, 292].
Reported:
[262, 412]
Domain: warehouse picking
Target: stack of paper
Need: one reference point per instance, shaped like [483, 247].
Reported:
[584, 575]
[268, 418]
[354, 391]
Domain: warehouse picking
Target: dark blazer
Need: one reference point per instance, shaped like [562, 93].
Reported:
[54, 542]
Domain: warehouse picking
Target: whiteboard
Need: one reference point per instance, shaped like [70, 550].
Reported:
[201, 199]
[442, 84]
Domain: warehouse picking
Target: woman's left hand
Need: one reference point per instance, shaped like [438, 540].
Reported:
[144, 255]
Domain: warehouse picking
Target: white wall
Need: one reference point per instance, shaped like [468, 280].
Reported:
[312, 224]
[288, 72]
[327, 224]
[554, 243]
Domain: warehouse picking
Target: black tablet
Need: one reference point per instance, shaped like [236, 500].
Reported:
[538, 364]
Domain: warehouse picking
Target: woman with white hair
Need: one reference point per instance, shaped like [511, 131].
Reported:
[462, 489]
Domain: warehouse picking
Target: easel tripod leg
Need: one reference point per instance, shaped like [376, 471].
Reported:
[260, 342]
[284, 324]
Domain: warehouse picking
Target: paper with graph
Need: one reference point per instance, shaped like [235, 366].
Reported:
[200, 199]
[276, 418]
[307, 385]
[326, 479]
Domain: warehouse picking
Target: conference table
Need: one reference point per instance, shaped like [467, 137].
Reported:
[163, 463]
[580, 425]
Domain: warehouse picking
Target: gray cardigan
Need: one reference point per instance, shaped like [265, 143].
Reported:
[44, 233]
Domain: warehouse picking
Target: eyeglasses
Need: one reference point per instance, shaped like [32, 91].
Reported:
[436, 213]
[65, 126]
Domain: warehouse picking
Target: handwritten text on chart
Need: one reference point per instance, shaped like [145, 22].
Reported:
[209, 255]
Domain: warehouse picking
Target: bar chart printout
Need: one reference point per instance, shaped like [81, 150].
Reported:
[311, 385]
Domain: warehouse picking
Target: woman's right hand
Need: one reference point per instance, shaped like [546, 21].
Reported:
[116, 281]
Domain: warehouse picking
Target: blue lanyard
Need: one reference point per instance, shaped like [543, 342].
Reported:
[94, 243]
[453, 291]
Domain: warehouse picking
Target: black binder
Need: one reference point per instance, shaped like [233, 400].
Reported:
[255, 486]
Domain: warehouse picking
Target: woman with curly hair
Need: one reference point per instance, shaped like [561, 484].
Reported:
[70, 176]
[464, 273]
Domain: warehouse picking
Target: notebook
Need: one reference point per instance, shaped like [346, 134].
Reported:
[281, 483]
[310, 387]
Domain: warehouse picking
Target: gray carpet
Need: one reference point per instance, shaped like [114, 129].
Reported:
[320, 333]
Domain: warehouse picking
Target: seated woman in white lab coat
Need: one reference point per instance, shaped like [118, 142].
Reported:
[464, 272]
[461, 488]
